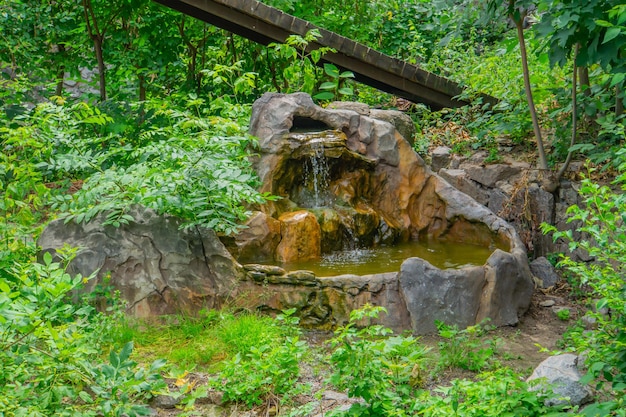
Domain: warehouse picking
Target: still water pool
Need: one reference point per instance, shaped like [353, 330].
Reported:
[389, 258]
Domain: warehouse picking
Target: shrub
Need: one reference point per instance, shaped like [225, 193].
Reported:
[467, 348]
[370, 364]
[603, 226]
[50, 350]
[265, 373]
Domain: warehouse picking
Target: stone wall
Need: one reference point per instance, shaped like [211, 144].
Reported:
[513, 190]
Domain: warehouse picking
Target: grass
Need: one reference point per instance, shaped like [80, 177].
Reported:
[201, 342]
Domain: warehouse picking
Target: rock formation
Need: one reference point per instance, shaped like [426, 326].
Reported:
[356, 181]
[376, 190]
[157, 267]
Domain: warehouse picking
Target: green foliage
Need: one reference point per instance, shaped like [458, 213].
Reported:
[467, 348]
[182, 162]
[386, 371]
[50, 349]
[370, 364]
[335, 88]
[563, 314]
[202, 340]
[497, 393]
[294, 67]
[266, 371]
[603, 224]
[569, 23]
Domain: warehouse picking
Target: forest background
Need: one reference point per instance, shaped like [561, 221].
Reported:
[111, 103]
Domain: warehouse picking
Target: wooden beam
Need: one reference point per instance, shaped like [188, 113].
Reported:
[264, 24]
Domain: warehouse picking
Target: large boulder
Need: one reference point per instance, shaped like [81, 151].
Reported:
[158, 267]
[559, 374]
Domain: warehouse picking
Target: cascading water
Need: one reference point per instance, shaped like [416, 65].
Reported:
[317, 176]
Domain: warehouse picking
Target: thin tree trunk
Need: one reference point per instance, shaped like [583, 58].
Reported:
[142, 87]
[98, 39]
[97, 43]
[583, 76]
[60, 73]
[543, 162]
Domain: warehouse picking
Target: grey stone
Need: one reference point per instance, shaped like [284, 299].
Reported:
[497, 201]
[166, 402]
[401, 121]
[458, 179]
[329, 395]
[440, 158]
[431, 294]
[361, 108]
[157, 267]
[547, 303]
[489, 175]
[543, 269]
[499, 291]
[568, 193]
[559, 375]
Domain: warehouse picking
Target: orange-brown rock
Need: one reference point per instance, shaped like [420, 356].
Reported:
[300, 237]
[258, 241]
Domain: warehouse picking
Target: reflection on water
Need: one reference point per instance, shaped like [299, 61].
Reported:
[389, 258]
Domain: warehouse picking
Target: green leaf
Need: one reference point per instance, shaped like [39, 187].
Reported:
[604, 23]
[611, 34]
[47, 258]
[324, 96]
[85, 397]
[114, 359]
[126, 351]
[328, 86]
[346, 91]
[617, 78]
[331, 70]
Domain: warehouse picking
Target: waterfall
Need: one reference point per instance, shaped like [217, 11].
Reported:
[317, 175]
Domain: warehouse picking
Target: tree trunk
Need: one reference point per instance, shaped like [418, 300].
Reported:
[60, 73]
[543, 163]
[98, 38]
[583, 78]
[142, 87]
[97, 44]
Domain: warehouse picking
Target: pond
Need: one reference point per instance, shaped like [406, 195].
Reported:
[382, 259]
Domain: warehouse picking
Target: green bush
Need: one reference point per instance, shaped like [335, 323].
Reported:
[186, 162]
[602, 220]
[467, 348]
[266, 372]
[497, 393]
[51, 347]
[370, 364]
